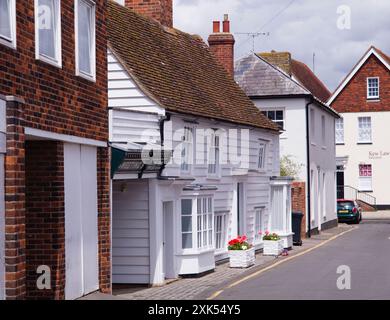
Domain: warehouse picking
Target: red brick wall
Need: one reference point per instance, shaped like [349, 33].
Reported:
[222, 47]
[160, 10]
[298, 196]
[354, 96]
[56, 99]
[45, 217]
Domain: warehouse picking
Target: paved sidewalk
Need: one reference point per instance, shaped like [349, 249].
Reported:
[377, 215]
[200, 288]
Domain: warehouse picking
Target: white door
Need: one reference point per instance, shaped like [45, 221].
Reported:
[2, 229]
[81, 225]
[168, 249]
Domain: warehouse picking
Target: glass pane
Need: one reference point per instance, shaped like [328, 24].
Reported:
[199, 239]
[47, 28]
[199, 206]
[210, 205]
[85, 37]
[271, 115]
[5, 19]
[210, 237]
[186, 223]
[205, 238]
[186, 239]
[210, 221]
[279, 115]
[199, 222]
[186, 207]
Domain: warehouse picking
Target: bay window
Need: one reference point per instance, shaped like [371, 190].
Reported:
[85, 39]
[197, 223]
[48, 31]
[8, 23]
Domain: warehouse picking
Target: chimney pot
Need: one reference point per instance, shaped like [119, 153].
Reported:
[226, 23]
[216, 26]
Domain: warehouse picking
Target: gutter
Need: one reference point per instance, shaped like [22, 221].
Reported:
[308, 189]
[161, 124]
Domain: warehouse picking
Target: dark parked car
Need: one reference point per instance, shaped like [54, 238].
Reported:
[348, 211]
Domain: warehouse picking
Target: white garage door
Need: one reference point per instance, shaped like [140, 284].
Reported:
[2, 229]
[130, 233]
[81, 224]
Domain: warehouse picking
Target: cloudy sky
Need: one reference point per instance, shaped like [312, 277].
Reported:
[299, 26]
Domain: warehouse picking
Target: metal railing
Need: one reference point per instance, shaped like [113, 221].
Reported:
[348, 192]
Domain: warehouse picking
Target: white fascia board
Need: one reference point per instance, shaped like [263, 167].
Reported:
[355, 70]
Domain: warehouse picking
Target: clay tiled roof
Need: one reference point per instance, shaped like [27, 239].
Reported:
[309, 80]
[178, 70]
[384, 55]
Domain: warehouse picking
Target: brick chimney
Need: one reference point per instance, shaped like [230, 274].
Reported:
[222, 44]
[280, 59]
[159, 10]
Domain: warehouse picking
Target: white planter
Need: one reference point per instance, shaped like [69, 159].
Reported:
[272, 248]
[242, 258]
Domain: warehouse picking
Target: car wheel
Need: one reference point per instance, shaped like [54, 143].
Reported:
[357, 220]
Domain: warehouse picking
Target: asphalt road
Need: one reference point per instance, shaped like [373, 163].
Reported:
[366, 251]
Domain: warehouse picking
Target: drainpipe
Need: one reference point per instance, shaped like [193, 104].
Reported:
[308, 167]
[161, 124]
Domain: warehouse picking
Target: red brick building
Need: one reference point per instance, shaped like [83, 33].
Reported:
[363, 148]
[54, 160]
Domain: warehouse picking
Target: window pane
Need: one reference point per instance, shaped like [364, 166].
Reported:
[85, 37]
[279, 115]
[271, 115]
[186, 240]
[47, 28]
[186, 223]
[186, 207]
[5, 18]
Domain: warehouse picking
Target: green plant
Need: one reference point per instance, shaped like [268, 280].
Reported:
[289, 168]
[271, 236]
[239, 243]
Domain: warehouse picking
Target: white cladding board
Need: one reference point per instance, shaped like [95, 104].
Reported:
[2, 229]
[81, 224]
[130, 240]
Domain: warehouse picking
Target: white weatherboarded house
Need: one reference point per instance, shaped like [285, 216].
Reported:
[308, 124]
[175, 217]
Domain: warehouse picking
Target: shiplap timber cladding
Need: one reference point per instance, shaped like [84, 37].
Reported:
[130, 235]
[124, 93]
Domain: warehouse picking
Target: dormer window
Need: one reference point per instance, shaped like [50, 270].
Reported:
[373, 88]
[8, 23]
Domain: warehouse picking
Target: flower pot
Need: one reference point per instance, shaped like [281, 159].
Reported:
[242, 258]
[272, 248]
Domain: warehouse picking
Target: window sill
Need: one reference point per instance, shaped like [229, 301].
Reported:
[377, 99]
[340, 143]
[7, 43]
[195, 252]
[364, 143]
[86, 77]
[215, 178]
[366, 191]
[49, 61]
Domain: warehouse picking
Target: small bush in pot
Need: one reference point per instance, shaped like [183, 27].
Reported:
[273, 245]
[241, 253]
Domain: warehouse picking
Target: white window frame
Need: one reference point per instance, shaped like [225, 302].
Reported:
[339, 131]
[80, 73]
[220, 231]
[11, 42]
[214, 156]
[187, 146]
[365, 180]
[205, 216]
[283, 121]
[368, 88]
[323, 130]
[259, 225]
[262, 156]
[361, 130]
[57, 60]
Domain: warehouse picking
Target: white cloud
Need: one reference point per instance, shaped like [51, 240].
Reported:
[306, 26]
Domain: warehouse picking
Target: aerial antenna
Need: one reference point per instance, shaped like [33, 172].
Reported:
[254, 35]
